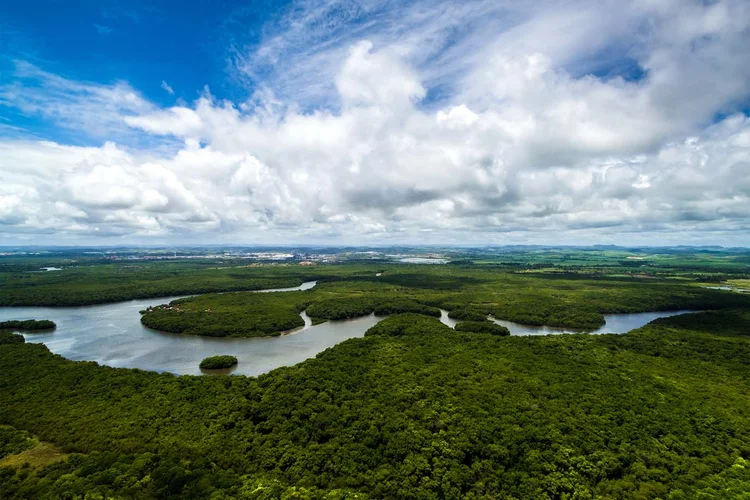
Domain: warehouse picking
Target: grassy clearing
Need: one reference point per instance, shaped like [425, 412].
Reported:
[18, 448]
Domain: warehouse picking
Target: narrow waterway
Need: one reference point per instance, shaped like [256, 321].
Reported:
[112, 335]
[614, 323]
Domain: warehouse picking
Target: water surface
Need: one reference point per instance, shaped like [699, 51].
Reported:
[423, 260]
[615, 323]
[112, 335]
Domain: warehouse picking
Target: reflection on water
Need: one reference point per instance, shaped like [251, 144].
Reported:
[112, 334]
[729, 288]
[444, 319]
[615, 323]
[220, 371]
[423, 260]
[304, 286]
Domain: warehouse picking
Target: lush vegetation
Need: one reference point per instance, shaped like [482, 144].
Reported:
[27, 325]
[13, 441]
[408, 324]
[218, 362]
[469, 293]
[412, 410]
[482, 327]
[11, 338]
[230, 315]
[469, 314]
[555, 287]
[352, 307]
[97, 283]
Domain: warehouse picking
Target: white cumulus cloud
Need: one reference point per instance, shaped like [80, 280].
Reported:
[529, 144]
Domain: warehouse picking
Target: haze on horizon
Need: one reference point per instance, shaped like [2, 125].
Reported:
[376, 122]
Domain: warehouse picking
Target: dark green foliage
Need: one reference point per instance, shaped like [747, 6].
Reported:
[13, 441]
[570, 296]
[218, 362]
[550, 314]
[400, 305]
[482, 327]
[343, 308]
[111, 475]
[414, 409]
[100, 283]
[11, 338]
[408, 324]
[241, 314]
[468, 314]
[659, 413]
[725, 323]
[352, 307]
[27, 325]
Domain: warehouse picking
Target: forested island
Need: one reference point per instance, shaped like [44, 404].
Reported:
[28, 325]
[470, 294]
[218, 362]
[414, 409]
[408, 413]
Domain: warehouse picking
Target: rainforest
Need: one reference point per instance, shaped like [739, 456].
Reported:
[413, 408]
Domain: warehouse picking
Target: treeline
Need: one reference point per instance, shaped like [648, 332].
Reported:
[28, 325]
[469, 314]
[11, 338]
[482, 327]
[247, 314]
[412, 410]
[218, 362]
[101, 283]
[543, 313]
[119, 476]
[577, 299]
[352, 307]
[575, 303]
[408, 324]
[13, 441]
[222, 325]
[97, 294]
[229, 315]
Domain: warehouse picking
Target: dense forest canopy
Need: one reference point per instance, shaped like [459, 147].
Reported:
[27, 325]
[414, 409]
[469, 293]
[406, 412]
[218, 362]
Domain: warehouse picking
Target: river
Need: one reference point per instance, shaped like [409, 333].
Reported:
[112, 335]
[615, 323]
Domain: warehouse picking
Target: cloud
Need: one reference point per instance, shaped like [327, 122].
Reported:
[167, 88]
[103, 30]
[532, 144]
[95, 109]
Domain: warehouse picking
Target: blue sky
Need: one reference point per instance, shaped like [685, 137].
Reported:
[375, 121]
[186, 44]
[142, 42]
